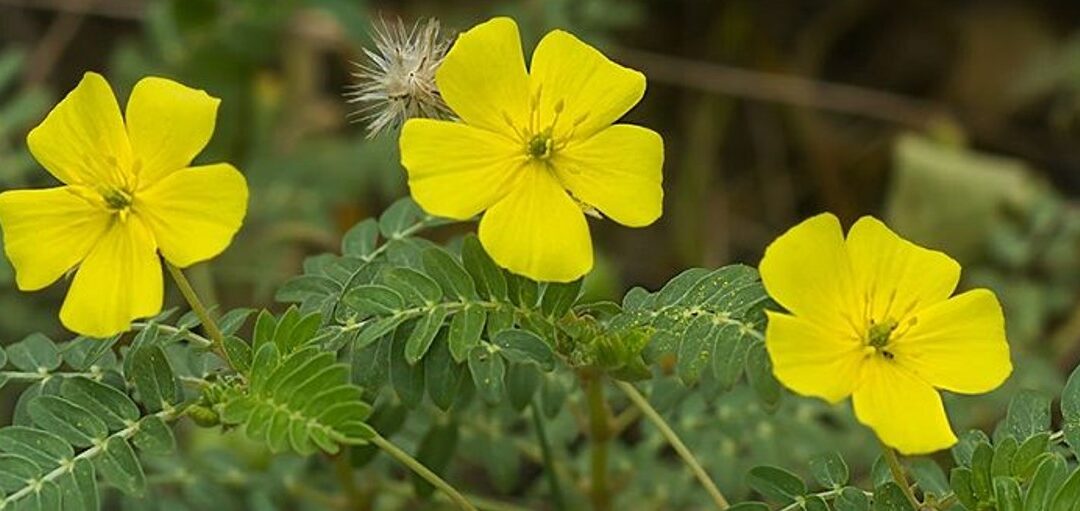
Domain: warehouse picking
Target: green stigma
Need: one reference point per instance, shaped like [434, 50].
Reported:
[117, 199]
[879, 333]
[539, 146]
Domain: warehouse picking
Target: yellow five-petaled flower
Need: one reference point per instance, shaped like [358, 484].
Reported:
[871, 317]
[534, 149]
[127, 194]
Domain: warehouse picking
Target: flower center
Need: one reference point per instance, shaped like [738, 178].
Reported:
[117, 199]
[879, 334]
[540, 146]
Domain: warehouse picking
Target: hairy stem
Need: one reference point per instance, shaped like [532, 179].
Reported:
[200, 310]
[676, 443]
[898, 474]
[599, 436]
[422, 471]
[549, 461]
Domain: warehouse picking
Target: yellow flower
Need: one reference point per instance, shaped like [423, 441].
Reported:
[872, 318]
[534, 149]
[128, 194]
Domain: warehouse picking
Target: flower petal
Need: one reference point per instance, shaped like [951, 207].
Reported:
[82, 140]
[897, 276]
[538, 230]
[618, 171]
[904, 411]
[47, 232]
[483, 78]
[456, 170]
[120, 280]
[958, 345]
[194, 213]
[811, 360]
[807, 270]
[168, 124]
[593, 91]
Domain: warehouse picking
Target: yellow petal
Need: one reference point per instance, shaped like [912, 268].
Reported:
[83, 140]
[195, 212]
[483, 78]
[456, 170]
[894, 275]
[904, 411]
[807, 270]
[593, 91]
[538, 231]
[618, 171]
[47, 232]
[811, 360]
[168, 124]
[958, 345]
[119, 281]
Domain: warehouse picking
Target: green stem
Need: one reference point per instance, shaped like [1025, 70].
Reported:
[673, 439]
[549, 461]
[599, 435]
[422, 471]
[344, 472]
[898, 474]
[200, 310]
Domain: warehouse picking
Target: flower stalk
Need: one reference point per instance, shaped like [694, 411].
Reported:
[413, 464]
[897, 471]
[599, 437]
[200, 310]
[676, 443]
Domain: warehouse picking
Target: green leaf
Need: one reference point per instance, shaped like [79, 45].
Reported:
[407, 379]
[815, 503]
[153, 378]
[377, 330]
[234, 320]
[829, 470]
[449, 274]
[265, 325]
[776, 484]
[298, 289]
[115, 408]
[83, 352]
[1048, 478]
[119, 468]
[69, 421]
[852, 499]
[695, 349]
[759, 372]
[966, 444]
[488, 371]
[239, 354]
[559, 298]
[1030, 455]
[15, 471]
[45, 449]
[961, 482]
[749, 506]
[489, 279]
[466, 328]
[435, 452]
[1004, 452]
[423, 333]
[522, 346]
[1067, 496]
[981, 471]
[442, 375]
[154, 436]
[415, 288]
[522, 382]
[78, 487]
[34, 353]
[373, 300]
[929, 476]
[399, 218]
[361, 240]
[889, 497]
[1028, 415]
[1007, 494]
[729, 357]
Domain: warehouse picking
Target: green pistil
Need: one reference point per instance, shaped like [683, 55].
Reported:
[117, 199]
[879, 333]
[540, 146]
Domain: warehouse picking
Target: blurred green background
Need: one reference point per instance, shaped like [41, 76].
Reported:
[957, 122]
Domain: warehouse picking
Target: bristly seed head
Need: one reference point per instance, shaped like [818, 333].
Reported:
[398, 81]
